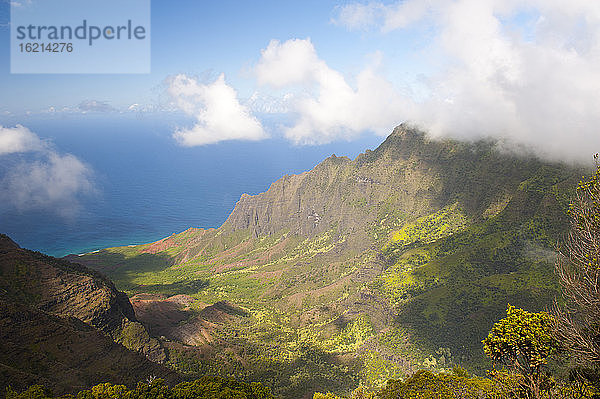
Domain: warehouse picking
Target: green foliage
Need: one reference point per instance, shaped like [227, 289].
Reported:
[458, 384]
[430, 385]
[389, 218]
[426, 229]
[377, 369]
[328, 395]
[352, 336]
[522, 341]
[449, 291]
[108, 390]
[33, 392]
[359, 393]
[518, 386]
[205, 388]
[134, 336]
[422, 242]
[220, 388]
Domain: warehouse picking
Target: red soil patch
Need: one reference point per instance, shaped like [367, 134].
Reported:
[174, 241]
[159, 246]
[231, 252]
[146, 297]
[181, 299]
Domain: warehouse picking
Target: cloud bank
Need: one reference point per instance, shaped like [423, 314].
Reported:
[95, 106]
[18, 139]
[219, 114]
[330, 108]
[38, 177]
[527, 71]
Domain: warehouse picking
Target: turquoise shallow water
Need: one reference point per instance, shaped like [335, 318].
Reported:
[147, 186]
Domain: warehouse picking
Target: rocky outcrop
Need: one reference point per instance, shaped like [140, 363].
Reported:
[60, 288]
[64, 354]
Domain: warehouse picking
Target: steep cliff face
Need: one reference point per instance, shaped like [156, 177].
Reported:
[56, 287]
[304, 204]
[409, 174]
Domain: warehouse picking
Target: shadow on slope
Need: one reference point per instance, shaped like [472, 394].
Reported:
[452, 291]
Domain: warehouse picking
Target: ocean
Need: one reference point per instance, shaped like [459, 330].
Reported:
[147, 186]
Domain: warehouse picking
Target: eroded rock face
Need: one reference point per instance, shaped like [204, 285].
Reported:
[404, 172]
[65, 289]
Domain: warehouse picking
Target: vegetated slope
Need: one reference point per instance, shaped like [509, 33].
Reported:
[59, 323]
[365, 269]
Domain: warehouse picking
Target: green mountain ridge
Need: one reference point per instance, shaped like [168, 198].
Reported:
[358, 270]
[67, 327]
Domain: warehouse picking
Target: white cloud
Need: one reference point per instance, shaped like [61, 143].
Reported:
[218, 112]
[95, 106]
[270, 104]
[334, 109]
[41, 178]
[18, 139]
[54, 182]
[290, 63]
[505, 68]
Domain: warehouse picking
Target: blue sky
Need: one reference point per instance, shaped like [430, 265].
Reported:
[203, 38]
[522, 71]
[313, 73]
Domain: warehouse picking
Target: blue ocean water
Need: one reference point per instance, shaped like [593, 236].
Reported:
[147, 186]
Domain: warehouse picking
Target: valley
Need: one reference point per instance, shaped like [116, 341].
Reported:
[357, 271]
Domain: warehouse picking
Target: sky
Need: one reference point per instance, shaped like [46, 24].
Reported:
[524, 72]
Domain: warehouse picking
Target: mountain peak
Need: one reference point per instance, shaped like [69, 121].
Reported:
[404, 141]
[407, 131]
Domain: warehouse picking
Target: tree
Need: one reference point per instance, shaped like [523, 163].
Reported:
[523, 342]
[425, 384]
[578, 270]
[33, 392]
